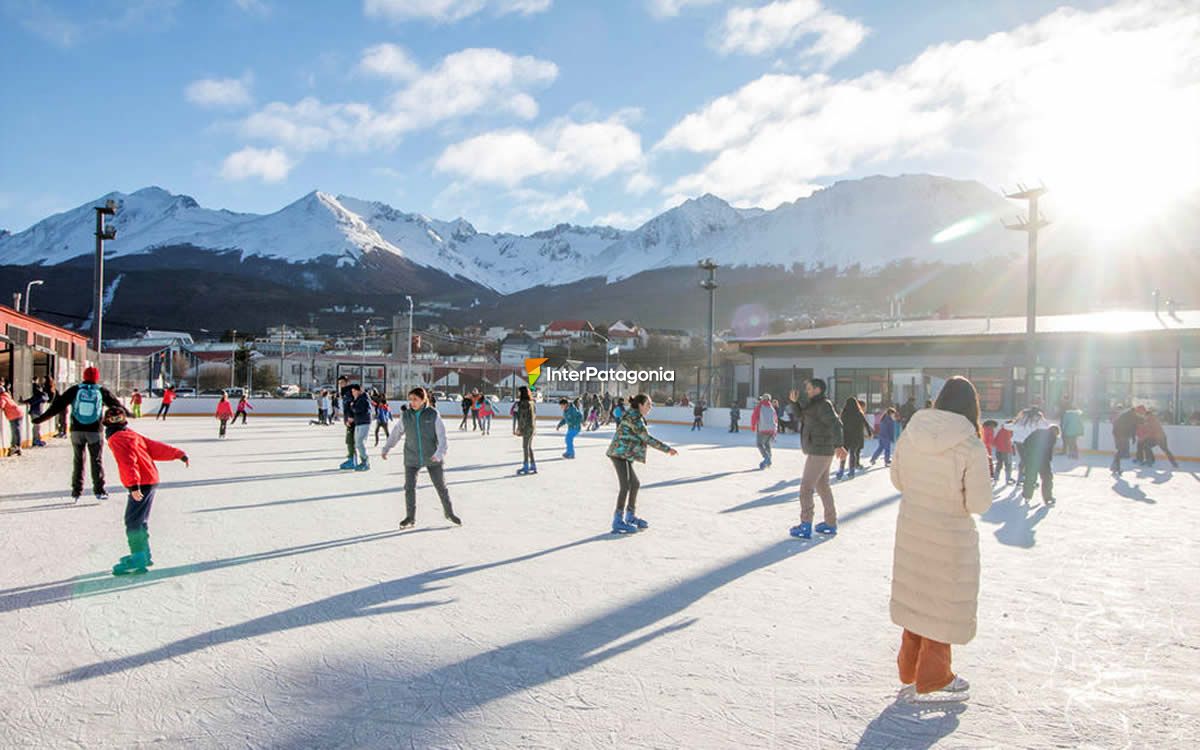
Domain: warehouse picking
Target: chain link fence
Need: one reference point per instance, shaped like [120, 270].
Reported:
[122, 373]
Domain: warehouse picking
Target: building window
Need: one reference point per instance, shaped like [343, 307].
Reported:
[778, 381]
[63, 349]
[42, 341]
[1189, 395]
[1151, 387]
[18, 335]
[870, 385]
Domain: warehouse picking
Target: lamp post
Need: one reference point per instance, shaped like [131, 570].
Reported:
[362, 368]
[103, 233]
[29, 289]
[408, 367]
[233, 359]
[1030, 225]
[607, 346]
[709, 284]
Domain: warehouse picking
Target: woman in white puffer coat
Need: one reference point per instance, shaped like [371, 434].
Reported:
[941, 471]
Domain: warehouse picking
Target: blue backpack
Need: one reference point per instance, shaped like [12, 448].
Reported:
[88, 404]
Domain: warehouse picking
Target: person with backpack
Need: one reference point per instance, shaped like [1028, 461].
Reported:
[243, 405]
[168, 398]
[14, 415]
[224, 414]
[87, 402]
[135, 455]
[764, 423]
[383, 416]
[425, 445]
[573, 419]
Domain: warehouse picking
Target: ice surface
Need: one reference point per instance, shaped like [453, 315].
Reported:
[286, 610]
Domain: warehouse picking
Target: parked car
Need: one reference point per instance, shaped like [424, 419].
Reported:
[212, 392]
[185, 392]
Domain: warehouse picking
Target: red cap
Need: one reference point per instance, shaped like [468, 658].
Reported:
[91, 375]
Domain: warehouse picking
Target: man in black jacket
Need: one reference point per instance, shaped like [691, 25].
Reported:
[87, 402]
[1124, 432]
[821, 439]
[358, 414]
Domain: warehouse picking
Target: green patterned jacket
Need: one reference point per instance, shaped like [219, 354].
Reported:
[632, 437]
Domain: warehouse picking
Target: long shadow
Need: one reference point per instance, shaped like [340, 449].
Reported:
[1132, 491]
[186, 483]
[694, 480]
[763, 502]
[94, 584]
[298, 500]
[1017, 525]
[911, 726]
[363, 602]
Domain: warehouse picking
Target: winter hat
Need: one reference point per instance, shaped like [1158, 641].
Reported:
[91, 375]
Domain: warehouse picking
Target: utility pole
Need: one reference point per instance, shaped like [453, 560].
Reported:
[233, 359]
[408, 384]
[102, 233]
[282, 332]
[1030, 225]
[709, 284]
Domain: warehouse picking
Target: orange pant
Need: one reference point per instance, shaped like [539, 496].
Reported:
[925, 662]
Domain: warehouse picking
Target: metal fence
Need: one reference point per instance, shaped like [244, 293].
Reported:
[122, 373]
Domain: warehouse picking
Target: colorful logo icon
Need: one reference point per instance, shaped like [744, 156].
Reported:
[533, 370]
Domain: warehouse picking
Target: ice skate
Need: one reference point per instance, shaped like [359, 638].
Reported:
[620, 527]
[826, 529]
[802, 531]
[407, 522]
[449, 517]
[633, 520]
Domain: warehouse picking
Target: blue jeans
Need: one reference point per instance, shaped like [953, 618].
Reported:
[571, 433]
[360, 441]
[884, 447]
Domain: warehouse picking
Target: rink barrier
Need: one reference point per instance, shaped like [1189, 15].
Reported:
[1184, 439]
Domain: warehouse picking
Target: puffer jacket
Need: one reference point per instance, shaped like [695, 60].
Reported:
[631, 438]
[820, 428]
[941, 470]
[526, 417]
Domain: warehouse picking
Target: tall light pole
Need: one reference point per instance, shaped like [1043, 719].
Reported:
[710, 284]
[362, 368]
[233, 359]
[1030, 225]
[607, 347]
[102, 233]
[29, 289]
[408, 384]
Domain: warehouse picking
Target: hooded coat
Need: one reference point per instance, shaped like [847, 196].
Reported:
[941, 471]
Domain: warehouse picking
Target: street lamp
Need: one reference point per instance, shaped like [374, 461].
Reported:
[362, 374]
[709, 284]
[233, 358]
[607, 347]
[408, 367]
[103, 233]
[28, 289]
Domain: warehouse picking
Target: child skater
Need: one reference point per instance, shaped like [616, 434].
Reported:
[573, 419]
[629, 445]
[135, 457]
[242, 406]
[383, 416]
[224, 413]
[486, 412]
[425, 445]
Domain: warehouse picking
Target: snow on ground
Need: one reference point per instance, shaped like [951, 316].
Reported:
[286, 610]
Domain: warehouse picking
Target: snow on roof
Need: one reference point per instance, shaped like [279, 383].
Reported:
[1112, 322]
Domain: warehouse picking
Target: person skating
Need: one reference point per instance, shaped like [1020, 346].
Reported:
[627, 447]
[941, 471]
[735, 416]
[594, 417]
[344, 398]
[35, 404]
[60, 421]
[359, 415]
[13, 415]
[476, 402]
[87, 402]
[135, 455]
[466, 411]
[1155, 437]
[1124, 430]
[821, 438]
[1039, 456]
[573, 419]
[1072, 429]
[1027, 422]
[224, 414]
[764, 422]
[243, 405]
[487, 410]
[425, 446]
[526, 425]
[164, 407]
[885, 436]
[907, 410]
[383, 418]
[135, 401]
[698, 415]
[855, 431]
[1002, 443]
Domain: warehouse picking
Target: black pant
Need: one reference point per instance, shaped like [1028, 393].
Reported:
[437, 475]
[463, 424]
[733, 424]
[527, 448]
[241, 414]
[381, 426]
[1122, 444]
[1036, 464]
[222, 431]
[137, 512]
[627, 494]
[162, 411]
[474, 420]
[322, 416]
[94, 443]
[350, 442]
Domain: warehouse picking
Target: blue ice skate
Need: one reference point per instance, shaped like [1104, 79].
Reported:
[633, 520]
[620, 527]
[824, 528]
[803, 531]
[348, 465]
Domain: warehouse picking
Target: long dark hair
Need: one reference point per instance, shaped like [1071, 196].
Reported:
[959, 396]
[635, 402]
[523, 393]
[852, 406]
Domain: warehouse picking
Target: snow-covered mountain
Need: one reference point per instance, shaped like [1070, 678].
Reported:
[870, 221]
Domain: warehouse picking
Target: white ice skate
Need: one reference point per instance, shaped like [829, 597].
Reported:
[957, 690]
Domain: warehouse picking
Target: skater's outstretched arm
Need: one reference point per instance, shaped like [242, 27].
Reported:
[442, 444]
[393, 437]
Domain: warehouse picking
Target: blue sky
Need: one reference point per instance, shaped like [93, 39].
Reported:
[518, 114]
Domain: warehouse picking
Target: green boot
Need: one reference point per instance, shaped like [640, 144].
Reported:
[138, 559]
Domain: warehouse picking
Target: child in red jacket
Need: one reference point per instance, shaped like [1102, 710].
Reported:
[135, 457]
[1002, 441]
[224, 413]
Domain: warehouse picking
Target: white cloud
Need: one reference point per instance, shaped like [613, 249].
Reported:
[468, 82]
[1059, 95]
[624, 219]
[543, 207]
[785, 23]
[449, 11]
[640, 183]
[257, 7]
[671, 8]
[510, 157]
[224, 93]
[268, 165]
[389, 61]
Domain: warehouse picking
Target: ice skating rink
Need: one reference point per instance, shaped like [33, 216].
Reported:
[285, 610]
